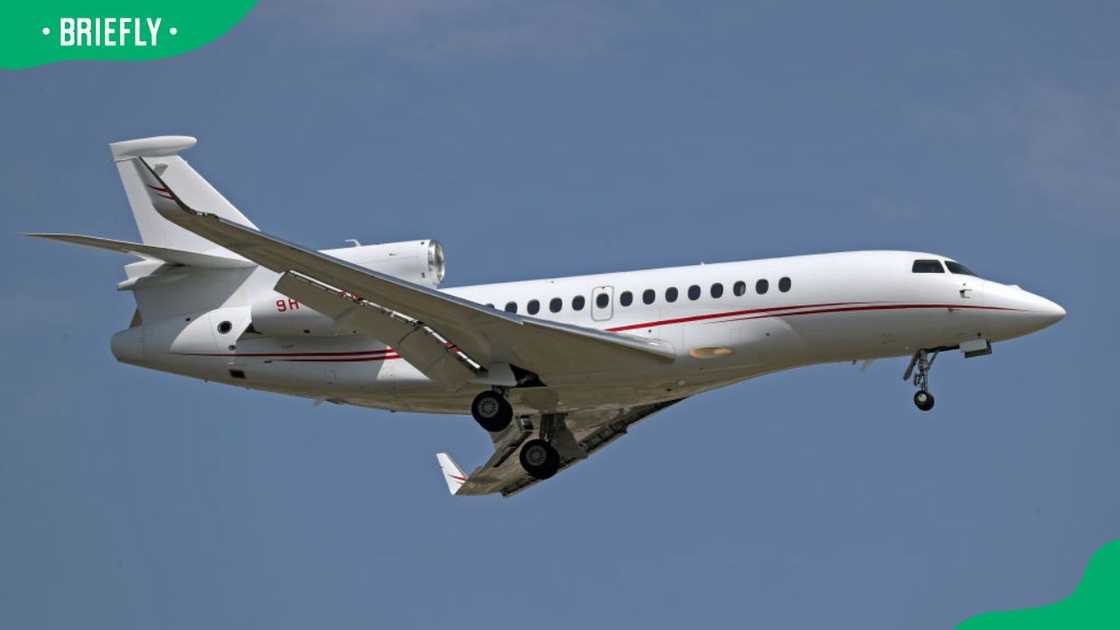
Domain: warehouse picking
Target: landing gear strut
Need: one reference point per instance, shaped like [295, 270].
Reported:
[918, 373]
[491, 410]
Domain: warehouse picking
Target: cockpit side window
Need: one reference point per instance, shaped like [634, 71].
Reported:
[956, 267]
[927, 266]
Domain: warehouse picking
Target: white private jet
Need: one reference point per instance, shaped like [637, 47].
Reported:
[553, 369]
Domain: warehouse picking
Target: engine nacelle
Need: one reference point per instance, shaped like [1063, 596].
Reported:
[420, 262]
[278, 315]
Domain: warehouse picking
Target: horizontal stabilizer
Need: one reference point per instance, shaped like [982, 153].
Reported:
[158, 146]
[173, 256]
[452, 474]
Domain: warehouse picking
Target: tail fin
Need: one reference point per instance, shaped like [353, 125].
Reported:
[161, 152]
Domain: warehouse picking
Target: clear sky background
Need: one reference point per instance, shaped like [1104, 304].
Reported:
[558, 138]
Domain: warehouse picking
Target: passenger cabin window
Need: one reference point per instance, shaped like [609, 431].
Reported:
[511, 307]
[648, 296]
[578, 302]
[694, 292]
[534, 307]
[762, 286]
[717, 290]
[626, 299]
[602, 300]
[784, 285]
[956, 267]
[671, 294]
[927, 266]
[555, 304]
[740, 288]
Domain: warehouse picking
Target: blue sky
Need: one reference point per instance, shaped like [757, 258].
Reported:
[544, 139]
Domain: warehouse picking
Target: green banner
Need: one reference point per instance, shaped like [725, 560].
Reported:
[1095, 604]
[45, 31]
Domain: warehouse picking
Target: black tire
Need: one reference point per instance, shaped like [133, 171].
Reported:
[492, 411]
[539, 459]
[923, 400]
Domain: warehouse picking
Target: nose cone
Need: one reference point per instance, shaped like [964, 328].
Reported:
[1036, 312]
[1045, 311]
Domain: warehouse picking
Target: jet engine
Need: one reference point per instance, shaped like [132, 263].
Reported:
[419, 262]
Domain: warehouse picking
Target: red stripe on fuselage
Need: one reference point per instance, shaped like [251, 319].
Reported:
[783, 311]
[879, 307]
[749, 311]
[746, 314]
[386, 357]
[288, 354]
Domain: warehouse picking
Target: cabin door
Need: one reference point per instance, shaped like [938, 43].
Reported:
[602, 303]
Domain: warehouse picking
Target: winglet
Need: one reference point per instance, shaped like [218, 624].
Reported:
[452, 474]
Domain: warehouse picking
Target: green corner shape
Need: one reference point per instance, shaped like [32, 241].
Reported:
[48, 31]
[1094, 604]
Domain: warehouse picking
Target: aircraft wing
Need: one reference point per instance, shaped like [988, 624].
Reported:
[486, 336]
[581, 433]
[173, 256]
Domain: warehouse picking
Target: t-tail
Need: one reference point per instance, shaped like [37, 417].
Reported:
[160, 239]
[192, 267]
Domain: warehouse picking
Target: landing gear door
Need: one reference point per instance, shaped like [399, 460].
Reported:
[602, 303]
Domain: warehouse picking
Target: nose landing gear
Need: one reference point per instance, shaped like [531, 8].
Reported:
[918, 372]
[923, 400]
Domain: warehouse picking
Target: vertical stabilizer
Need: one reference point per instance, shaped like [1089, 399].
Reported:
[161, 152]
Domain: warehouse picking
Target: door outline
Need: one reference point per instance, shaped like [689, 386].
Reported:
[602, 314]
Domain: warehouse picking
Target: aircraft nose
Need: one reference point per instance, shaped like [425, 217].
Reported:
[1045, 311]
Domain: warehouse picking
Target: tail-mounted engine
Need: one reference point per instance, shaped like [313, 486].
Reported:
[420, 262]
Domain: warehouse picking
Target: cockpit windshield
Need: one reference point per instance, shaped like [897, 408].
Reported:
[956, 267]
[927, 266]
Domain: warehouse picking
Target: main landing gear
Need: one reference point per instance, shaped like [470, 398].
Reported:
[492, 411]
[539, 459]
[539, 456]
[918, 372]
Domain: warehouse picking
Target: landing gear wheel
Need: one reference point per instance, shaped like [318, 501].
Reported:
[919, 368]
[923, 400]
[539, 459]
[491, 410]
